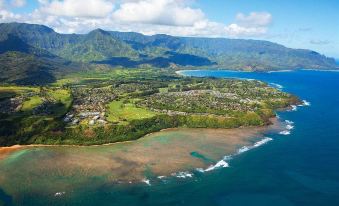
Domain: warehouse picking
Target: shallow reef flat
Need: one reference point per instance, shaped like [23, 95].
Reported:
[47, 170]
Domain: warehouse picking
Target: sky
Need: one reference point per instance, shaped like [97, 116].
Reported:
[305, 24]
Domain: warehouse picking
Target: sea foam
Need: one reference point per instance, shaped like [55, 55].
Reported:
[146, 181]
[305, 103]
[294, 108]
[285, 132]
[58, 194]
[289, 127]
[278, 86]
[223, 163]
[243, 149]
[182, 175]
[280, 71]
[220, 164]
[261, 142]
[161, 177]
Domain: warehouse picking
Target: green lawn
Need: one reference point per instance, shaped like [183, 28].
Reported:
[62, 95]
[18, 89]
[163, 90]
[118, 112]
[31, 103]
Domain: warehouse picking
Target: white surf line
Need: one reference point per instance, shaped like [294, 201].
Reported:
[146, 181]
[294, 108]
[288, 128]
[280, 71]
[320, 70]
[277, 86]
[161, 177]
[223, 163]
[182, 175]
[59, 194]
[304, 103]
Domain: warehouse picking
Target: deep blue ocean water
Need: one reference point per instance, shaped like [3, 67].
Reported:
[297, 169]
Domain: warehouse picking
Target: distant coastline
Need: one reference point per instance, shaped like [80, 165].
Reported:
[181, 72]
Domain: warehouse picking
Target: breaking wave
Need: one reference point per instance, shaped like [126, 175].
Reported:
[59, 194]
[285, 132]
[220, 164]
[223, 163]
[294, 108]
[278, 86]
[280, 71]
[305, 103]
[288, 128]
[146, 181]
[182, 175]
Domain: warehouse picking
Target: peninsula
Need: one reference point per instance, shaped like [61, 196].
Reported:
[91, 108]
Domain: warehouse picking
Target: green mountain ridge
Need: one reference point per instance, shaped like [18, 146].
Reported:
[96, 45]
[129, 49]
[28, 69]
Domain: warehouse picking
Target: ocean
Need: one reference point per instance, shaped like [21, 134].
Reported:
[297, 166]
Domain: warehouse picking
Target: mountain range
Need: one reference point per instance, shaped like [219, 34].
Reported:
[30, 53]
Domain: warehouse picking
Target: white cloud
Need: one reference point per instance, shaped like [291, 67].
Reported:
[235, 30]
[2, 4]
[162, 12]
[76, 8]
[6, 15]
[18, 3]
[173, 17]
[254, 19]
[320, 42]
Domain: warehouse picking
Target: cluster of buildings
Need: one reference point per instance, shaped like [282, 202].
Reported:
[199, 102]
[89, 106]
[92, 118]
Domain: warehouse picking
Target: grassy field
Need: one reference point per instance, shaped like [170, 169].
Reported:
[12, 91]
[120, 112]
[163, 90]
[63, 96]
[100, 77]
[18, 89]
[59, 95]
[31, 103]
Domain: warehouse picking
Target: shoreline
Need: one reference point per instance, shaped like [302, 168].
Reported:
[273, 120]
[190, 150]
[8, 150]
[180, 72]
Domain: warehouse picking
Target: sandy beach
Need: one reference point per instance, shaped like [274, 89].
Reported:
[5, 151]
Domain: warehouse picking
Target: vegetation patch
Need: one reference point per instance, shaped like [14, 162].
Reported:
[125, 104]
[32, 103]
[127, 111]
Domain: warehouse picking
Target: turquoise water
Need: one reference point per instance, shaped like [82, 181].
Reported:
[297, 169]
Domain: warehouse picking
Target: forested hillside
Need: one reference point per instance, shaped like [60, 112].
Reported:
[35, 51]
